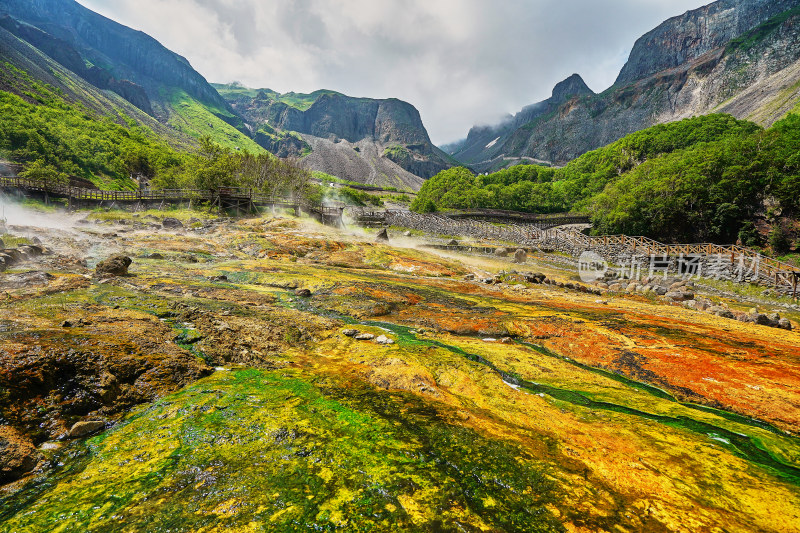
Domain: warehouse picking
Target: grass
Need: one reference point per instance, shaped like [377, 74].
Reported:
[301, 101]
[12, 241]
[197, 120]
[182, 214]
[758, 34]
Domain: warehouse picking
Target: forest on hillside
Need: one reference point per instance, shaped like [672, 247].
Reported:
[700, 179]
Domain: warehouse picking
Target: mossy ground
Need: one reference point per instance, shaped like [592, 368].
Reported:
[632, 416]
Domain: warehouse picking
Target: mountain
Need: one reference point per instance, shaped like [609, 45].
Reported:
[486, 144]
[740, 57]
[380, 142]
[122, 73]
[116, 59]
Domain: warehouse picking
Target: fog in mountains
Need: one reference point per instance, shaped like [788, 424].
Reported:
[460, 62]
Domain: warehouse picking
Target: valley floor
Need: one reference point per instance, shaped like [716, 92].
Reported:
[271, 374]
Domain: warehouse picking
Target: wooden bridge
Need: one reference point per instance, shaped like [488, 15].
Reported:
[240, 199]
[737, 261]
[375, 218]
[541, 221]
[551, 233]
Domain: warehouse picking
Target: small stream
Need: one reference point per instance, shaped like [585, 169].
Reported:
[739, 444]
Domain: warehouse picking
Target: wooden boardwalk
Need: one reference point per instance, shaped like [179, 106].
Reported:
[750, 264]
[373, 217]
[243, 199]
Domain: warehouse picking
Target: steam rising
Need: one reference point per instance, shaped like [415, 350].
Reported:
[18, 215]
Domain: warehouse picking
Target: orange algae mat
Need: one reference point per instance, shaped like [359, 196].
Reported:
[629, 416]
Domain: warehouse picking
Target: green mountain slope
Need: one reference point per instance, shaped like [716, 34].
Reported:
[114, 59]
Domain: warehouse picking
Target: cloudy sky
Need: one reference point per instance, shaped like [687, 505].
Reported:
[460, 62]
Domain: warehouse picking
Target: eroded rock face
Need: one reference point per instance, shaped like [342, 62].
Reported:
[114, 266]
[18, 456]
[685, 38]
[685, 67]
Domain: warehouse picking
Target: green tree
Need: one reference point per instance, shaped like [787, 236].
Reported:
[44, 173]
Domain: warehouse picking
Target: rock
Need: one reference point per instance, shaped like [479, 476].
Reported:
[784, 323]
[303, 293]
[506, 340]
[154, 255]
[350, 332]
[501, 252]
[172, 223]
[601, 302]
[407, 234]
[774, 319]
[534, 277]
[114, 266]
[453, 242]
[660, 291]
[81, 429]
[520, 256]
[760, 318]
[383, 236]
[383, 339]
[469, 277]
[18, 456]
[364, 337]
[218, 278]
[679, 296]
[615, 287]
[722, 312]
[602, 285]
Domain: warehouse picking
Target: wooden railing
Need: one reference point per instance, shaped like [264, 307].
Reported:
[550, 219]
[765, 268]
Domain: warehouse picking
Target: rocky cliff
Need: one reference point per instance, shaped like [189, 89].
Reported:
[485, 144]
[685, 38]
[125, 53]
[373, 141]
[735, 56]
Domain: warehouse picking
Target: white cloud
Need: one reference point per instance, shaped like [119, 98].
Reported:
[460, 62]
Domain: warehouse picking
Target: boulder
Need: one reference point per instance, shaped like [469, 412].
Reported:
[761, 319]
[383, 339]
[115, 266]
[172, 223]
[18, 456]
[520, 256]
[452, 242]
[303, 293]
[501, 252]
[722, 312]
[81, 429]
[679, 296]
[383, 236]
[364, 337]
[350, 332]
[784, 323]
